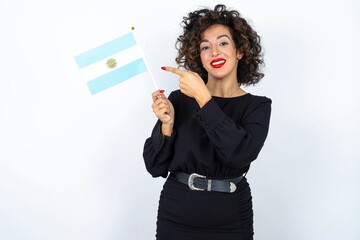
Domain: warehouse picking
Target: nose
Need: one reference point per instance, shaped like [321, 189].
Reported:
[215, 51]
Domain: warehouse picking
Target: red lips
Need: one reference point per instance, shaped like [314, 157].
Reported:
[218, 62]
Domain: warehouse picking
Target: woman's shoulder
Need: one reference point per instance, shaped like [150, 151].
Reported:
[176, 95]
[175, 92]
[254, 102]
[259, 98]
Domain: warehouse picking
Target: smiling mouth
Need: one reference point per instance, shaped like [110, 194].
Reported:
[218, 63]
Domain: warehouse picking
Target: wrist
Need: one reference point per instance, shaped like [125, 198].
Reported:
[203, 99]
[167, 129]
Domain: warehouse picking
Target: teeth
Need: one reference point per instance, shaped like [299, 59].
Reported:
[217, 63]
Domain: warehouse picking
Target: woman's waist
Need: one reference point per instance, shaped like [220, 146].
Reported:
[198, 182]
[211, 171]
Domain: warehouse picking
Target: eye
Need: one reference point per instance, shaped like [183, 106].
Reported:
[204, 48]
[224, 43]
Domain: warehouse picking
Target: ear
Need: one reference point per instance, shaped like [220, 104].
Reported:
[239, 55]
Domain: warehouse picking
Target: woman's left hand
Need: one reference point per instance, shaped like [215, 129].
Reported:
[192, 85]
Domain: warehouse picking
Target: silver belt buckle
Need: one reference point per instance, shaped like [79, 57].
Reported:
[232, 187]
[191, 181]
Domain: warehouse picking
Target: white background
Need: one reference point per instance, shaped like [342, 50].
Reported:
[71, 163]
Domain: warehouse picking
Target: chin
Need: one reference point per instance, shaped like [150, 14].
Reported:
[218, 76]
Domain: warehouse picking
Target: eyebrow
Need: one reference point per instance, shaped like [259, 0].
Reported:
[220, 36]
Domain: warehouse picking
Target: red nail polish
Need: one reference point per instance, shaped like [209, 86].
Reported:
[161, 91]
[163, 68]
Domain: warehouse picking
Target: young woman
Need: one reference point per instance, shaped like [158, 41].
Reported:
[210, 130]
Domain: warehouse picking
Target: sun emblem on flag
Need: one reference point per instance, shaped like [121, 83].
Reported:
[111, 63]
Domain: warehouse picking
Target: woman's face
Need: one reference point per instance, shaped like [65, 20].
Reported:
[218, 52]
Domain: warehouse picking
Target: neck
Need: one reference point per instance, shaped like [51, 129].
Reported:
[224, 89]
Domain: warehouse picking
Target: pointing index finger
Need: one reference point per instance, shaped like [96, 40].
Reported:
[174, 70]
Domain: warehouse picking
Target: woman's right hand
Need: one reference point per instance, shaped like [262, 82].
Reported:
[164, 111]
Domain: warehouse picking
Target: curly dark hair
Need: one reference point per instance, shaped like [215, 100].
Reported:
[245, 38]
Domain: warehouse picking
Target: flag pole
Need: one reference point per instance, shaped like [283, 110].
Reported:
[145, 61]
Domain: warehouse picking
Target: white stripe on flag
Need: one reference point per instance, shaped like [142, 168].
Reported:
[100, 67]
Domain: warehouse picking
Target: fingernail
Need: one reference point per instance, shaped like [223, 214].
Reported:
[163, 68]
[161, 91]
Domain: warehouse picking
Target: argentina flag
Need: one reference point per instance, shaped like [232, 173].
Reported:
[111, 63]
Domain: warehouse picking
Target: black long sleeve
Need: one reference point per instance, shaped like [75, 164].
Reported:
[157, 152]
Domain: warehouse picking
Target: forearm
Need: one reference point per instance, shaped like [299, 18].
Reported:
[157, 152]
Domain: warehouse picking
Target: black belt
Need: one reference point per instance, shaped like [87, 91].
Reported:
[201, 183]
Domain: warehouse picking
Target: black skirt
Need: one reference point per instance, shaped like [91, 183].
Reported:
[185, 214]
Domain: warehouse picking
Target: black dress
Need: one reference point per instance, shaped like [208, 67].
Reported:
[220, 140]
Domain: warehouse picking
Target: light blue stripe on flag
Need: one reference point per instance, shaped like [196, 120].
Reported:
[117, 76]
[105, 50]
